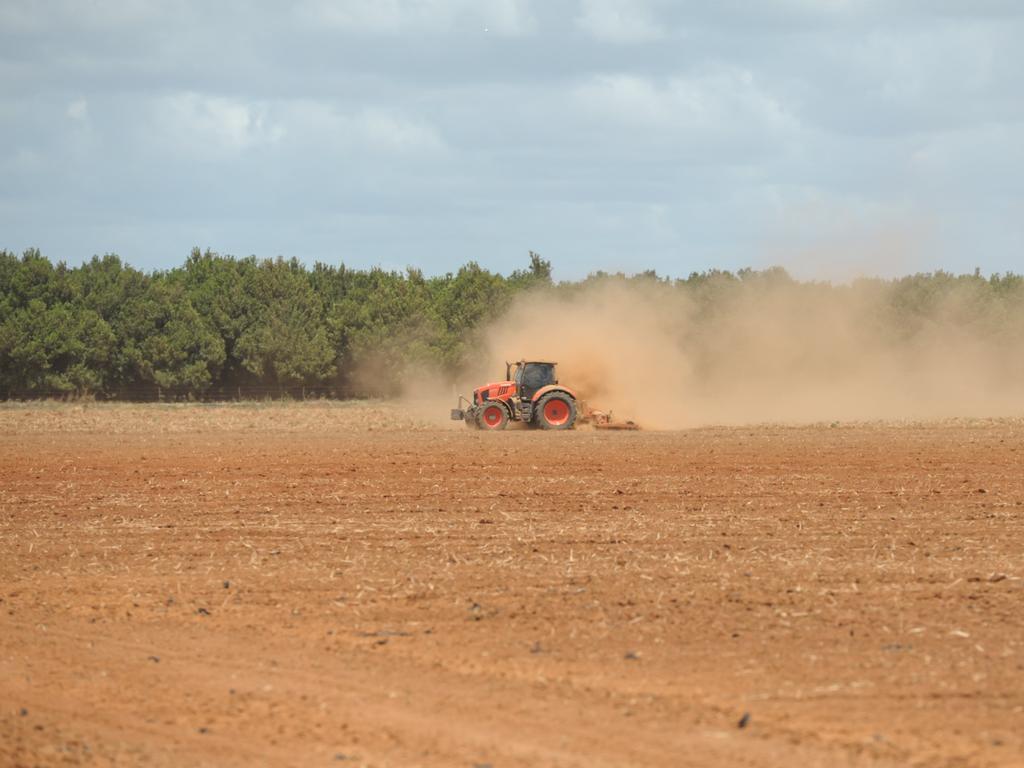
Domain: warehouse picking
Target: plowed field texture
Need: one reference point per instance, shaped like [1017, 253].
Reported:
[332, 584]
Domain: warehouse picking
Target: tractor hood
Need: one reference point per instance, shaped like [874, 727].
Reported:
[498, 390]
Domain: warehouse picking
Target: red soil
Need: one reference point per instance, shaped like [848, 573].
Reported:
[259, 590]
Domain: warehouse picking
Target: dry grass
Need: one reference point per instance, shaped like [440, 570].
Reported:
[319, 416]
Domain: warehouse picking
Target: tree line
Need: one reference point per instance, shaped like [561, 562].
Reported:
[223, 327]
[220, 327]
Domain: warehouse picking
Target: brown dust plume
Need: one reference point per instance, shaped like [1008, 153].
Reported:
[767, 351]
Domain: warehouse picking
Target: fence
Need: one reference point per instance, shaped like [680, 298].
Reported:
[146, 393]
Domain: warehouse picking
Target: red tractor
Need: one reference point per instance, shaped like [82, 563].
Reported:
[530, 394]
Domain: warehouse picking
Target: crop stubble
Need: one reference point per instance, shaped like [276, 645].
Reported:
[323, 584]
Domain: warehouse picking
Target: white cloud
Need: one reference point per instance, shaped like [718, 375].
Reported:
[367, 129]
[701, 109]
[582, 112]
[972, 160]
[206, 123]
[390, 132]
[90, 15]
[953, 60]
[619, 21]
[78, 110]
[26, 160]
[511, 18]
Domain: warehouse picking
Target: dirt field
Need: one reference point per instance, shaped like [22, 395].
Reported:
[341, 585]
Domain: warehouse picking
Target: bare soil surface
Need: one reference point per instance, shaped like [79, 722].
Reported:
[344, 585]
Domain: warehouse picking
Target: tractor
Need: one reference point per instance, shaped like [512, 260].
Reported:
[530, 393]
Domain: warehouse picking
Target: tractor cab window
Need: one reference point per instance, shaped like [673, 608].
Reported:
[533, 376]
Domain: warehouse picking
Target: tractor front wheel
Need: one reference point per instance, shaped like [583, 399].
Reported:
[493, 416]
[556, 411]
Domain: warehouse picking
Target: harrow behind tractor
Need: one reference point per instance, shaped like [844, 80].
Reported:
[530, 394]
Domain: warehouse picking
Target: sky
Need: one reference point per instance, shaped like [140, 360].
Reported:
[832, 137]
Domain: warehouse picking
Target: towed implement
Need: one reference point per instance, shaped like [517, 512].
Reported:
[530, 394]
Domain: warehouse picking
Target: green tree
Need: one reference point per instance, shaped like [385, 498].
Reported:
[58, 350]
[176, 351]
[286, 343]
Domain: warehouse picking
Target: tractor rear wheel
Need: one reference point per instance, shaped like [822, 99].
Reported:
[556, 411]
[493, 416]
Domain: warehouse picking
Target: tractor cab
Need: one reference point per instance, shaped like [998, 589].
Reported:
[530, 376]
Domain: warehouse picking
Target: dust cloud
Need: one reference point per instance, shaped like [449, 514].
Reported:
[765, 351]
[429, 395]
